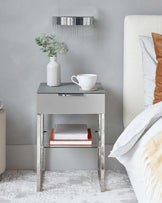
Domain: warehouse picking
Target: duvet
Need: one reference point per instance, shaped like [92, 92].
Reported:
[139, 149]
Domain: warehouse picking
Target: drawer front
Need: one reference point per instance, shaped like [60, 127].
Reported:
[71, 104]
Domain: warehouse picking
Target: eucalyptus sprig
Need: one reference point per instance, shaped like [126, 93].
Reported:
[50, 45]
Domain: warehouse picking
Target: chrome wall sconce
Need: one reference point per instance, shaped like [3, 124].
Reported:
[73, 20]
[74, 26]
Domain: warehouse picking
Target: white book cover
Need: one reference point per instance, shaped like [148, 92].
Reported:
[70, 132]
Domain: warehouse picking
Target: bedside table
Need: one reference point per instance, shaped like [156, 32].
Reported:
[69, 99]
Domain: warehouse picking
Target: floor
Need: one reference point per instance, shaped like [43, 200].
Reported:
[65, 187]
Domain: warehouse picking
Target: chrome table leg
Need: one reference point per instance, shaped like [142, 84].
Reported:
[40, 150]
[38, 153]
[101, 151]
[99, 146]
[42, 142]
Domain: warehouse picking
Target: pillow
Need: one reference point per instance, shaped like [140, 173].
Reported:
[149, 64]
[135, 129]
[157, 38]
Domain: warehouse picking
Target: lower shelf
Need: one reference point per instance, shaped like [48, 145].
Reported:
[46, 143]
[93, 146]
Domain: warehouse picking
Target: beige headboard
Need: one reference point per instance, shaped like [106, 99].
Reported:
[133, 96]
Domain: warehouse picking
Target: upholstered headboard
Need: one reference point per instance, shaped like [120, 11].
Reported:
[133, 93]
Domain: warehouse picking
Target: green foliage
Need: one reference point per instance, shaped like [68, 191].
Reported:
[49, 44]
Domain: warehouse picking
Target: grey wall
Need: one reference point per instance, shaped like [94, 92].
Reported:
[23, 66]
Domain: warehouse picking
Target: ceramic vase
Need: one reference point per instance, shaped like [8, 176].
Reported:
[53, 72]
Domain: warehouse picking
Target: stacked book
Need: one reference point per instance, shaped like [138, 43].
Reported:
[70, 135]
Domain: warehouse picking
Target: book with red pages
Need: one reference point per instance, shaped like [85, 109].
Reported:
[86, 142]
[70, 132]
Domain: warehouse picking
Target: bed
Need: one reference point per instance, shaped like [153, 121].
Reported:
[133, 104]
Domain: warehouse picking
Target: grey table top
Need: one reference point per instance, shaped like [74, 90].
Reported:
[68, 88]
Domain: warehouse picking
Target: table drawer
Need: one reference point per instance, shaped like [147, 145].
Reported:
[71, 103]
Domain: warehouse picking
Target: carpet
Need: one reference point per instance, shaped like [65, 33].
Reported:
[19, 186]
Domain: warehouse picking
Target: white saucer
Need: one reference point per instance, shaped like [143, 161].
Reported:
[93, 89]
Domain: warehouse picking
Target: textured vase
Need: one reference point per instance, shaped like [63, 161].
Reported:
[53, 72]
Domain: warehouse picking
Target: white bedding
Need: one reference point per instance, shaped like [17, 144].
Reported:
[133, 159]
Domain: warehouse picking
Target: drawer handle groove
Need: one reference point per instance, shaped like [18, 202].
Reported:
[70, 95]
